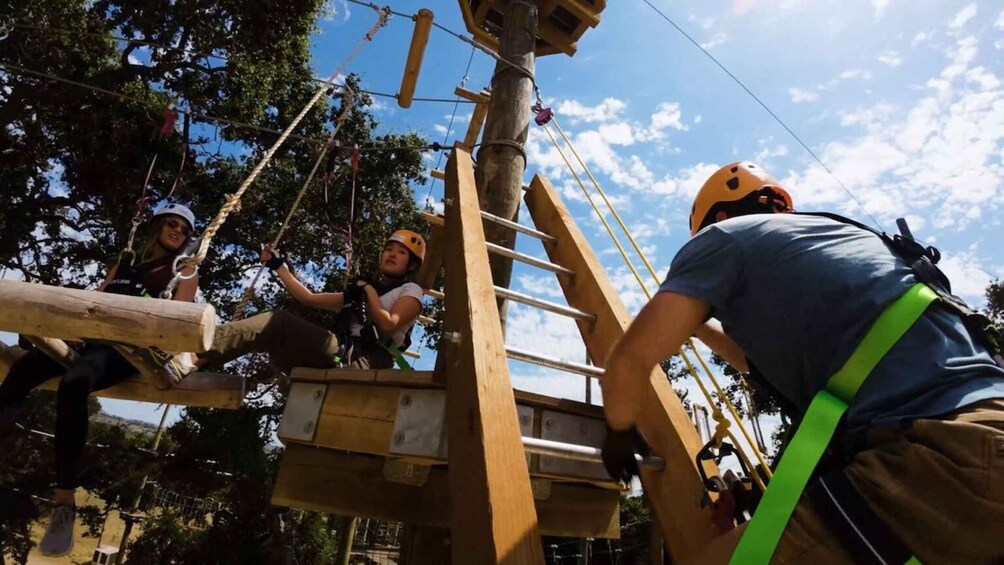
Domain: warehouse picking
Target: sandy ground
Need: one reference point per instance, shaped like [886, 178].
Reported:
[83, 547]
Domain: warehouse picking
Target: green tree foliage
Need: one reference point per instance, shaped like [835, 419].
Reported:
[995, 302]
[72, 163]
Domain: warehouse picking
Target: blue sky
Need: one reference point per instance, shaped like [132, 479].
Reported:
[902, 100]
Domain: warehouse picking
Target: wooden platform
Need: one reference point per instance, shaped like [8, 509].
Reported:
[401, 414]
[326, 480]
[202, 390]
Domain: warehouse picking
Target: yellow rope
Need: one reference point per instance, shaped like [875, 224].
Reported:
[233, 201]
[711, 402]
[241, 308]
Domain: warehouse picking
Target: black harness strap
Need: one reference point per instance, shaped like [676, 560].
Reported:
[859, 529]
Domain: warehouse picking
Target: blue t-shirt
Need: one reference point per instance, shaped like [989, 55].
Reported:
[798, 293]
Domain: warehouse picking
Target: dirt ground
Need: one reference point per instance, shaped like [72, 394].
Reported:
[83, 547]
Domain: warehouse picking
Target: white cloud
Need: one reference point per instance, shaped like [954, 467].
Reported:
[890, 58]
[880, 7]
[940, 158]
[716, 40]
[856, 73]
[799, 95]
[705, 23]
[619, 133]
[919, 38]
[667, 115]
[697, 119]
[1000, 21]
[544, 285]
[440, 129]
[608, 110]
[969, 280]
[963, 16]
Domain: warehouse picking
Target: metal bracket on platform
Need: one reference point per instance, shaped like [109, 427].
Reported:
[303, 409]
[573, 429]
[419, 428]
[525, 415]
[406, 473]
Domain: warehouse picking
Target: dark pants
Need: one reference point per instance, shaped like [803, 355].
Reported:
[290, 342]
[99, 367]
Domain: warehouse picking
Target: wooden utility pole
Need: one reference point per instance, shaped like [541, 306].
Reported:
[502, 159]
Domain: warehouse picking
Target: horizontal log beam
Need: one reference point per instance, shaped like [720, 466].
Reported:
[326, 480]
[202, 390]
[65, 313]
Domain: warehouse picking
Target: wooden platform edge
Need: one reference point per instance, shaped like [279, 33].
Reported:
[326, 480]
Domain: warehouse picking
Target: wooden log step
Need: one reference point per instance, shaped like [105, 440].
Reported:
[65, 313]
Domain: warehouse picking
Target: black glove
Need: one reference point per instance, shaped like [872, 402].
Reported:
[619, 450]
[276, 261]
[354, 291]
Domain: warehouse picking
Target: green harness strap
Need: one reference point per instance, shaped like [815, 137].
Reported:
[398, 356]
[814, 433]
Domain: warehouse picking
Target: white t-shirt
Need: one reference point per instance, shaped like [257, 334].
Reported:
[387, 301]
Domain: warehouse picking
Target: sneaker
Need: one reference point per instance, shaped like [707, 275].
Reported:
[171, 369]
[58, 538]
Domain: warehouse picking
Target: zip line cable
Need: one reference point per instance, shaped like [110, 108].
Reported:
[449, 128]
[791, 132]
[198, 115]
[769, 111]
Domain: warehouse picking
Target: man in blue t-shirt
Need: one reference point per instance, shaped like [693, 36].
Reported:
[795, 295]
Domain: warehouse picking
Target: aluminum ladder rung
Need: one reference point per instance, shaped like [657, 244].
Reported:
[585, 453]
[553, 362]
[518, 227]
[517, 256]
[543, 304]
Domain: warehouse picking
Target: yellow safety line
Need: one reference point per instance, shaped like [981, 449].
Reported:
[627, 232]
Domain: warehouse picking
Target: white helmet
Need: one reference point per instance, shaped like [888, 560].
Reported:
[177, 210]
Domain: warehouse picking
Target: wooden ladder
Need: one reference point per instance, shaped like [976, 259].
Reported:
[493, 517]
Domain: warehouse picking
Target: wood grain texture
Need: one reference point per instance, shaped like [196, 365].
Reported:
[493, 504]
[65, 313]
[676, 492]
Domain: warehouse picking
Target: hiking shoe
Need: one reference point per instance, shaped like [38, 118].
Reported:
[58, 538]
[171, 369]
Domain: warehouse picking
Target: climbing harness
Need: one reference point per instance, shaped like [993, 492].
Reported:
[232, 202]
[356, 310]
[546, 115]
[820, 422]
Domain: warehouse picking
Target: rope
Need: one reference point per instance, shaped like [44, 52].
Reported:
[233, 200]
[449, 128]
[240, 309]
[716, 412]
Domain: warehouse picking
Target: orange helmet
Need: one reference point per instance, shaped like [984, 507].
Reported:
[732, 183]
[411, 240]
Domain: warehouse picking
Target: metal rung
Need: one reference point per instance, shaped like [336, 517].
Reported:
[543, 304]
[435, 294]
[518, 227]
[582, 452]
[552, 362]
[499, 250]
[425, 321]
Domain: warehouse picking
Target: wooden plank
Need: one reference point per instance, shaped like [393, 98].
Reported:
[66, 313]
[433, 263]
[477, 121]
[202, 390]
[560, 404]
[493, 502]
[676, 492]
[437, 174]
[389, 377]
[482, 97]
[325, 480]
